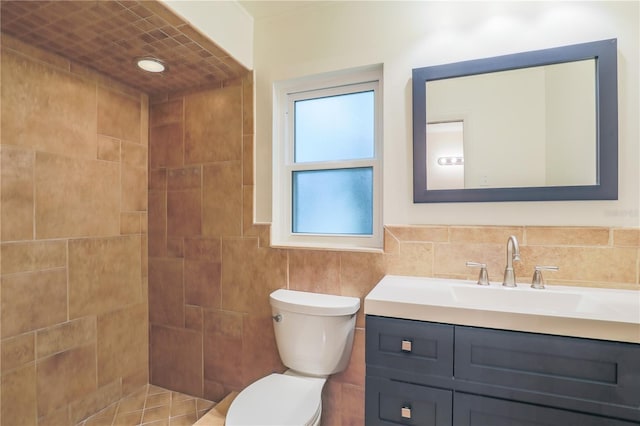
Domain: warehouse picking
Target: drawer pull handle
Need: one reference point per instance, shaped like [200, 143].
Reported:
[405, 412]
[406, 345]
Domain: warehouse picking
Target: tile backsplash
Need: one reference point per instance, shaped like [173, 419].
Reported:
[586, 256]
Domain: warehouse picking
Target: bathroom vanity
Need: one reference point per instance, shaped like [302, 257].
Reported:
[448, 352]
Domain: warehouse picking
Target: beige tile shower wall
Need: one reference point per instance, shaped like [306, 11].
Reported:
[211, 270]
[74, 310]
[210, 329]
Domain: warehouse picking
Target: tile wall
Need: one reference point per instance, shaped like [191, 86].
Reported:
[211, 269]
[210, 326]
[74, 307]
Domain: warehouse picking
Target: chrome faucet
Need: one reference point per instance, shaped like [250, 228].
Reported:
[513, 253]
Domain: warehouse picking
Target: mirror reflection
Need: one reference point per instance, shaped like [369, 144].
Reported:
[528, 127]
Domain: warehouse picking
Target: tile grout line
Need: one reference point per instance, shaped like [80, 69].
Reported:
[144, 406]
[168, 405]
[115, 413]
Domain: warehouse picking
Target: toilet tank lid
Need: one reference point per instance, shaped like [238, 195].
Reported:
[314, 303]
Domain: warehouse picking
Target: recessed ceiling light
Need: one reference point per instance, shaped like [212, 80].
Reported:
[151, 64]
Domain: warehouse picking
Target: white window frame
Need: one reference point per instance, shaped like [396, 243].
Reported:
[284, 95]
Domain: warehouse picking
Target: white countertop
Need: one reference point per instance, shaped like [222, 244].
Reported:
[606, 314]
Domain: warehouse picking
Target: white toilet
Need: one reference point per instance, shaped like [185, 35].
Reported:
[314, 334]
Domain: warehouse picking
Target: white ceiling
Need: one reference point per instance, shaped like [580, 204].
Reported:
[263, 9]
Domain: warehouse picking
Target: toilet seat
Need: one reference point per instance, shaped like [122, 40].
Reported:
[278, 400]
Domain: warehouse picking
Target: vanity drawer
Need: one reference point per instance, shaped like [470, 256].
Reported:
[395, 403]
[482, 411]
[409, 350]
[593, 370]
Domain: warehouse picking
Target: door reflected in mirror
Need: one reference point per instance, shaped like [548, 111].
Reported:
[445, 155]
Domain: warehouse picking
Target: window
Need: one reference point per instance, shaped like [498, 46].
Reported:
[327, 186]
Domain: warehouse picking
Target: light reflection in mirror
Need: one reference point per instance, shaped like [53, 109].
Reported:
[445, 143]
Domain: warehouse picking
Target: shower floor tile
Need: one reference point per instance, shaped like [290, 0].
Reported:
[151, 406]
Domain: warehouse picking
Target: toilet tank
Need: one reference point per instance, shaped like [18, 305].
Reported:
[314, 332]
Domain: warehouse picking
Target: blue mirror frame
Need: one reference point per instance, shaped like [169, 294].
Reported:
[606, 188]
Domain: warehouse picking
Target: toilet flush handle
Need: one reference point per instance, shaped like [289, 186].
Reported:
[277, 317]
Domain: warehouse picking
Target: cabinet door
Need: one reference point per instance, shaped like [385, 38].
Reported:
[410, 351]
[482, 411]
[395, 403]
[581, 369]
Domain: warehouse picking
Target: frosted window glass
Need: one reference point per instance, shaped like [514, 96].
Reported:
[334, 128]
[336, 201]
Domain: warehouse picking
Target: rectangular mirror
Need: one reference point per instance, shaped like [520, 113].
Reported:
[530, 126]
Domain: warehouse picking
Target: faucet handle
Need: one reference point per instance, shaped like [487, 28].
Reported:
[538, 280]
[483, 277]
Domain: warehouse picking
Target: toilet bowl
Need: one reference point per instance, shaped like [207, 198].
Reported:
[314, 336]
[278, 400]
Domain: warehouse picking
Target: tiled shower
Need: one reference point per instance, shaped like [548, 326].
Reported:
[74, 239]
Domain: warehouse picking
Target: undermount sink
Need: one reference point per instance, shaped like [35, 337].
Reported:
[518, 299]
[579, 311]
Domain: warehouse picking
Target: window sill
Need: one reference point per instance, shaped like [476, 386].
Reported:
[327, 247]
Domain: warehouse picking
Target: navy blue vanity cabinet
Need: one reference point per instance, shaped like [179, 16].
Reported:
[403, 356]
[391, 402]
[482, 411]
[412, 351]
[594, 376]
[422, 373]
